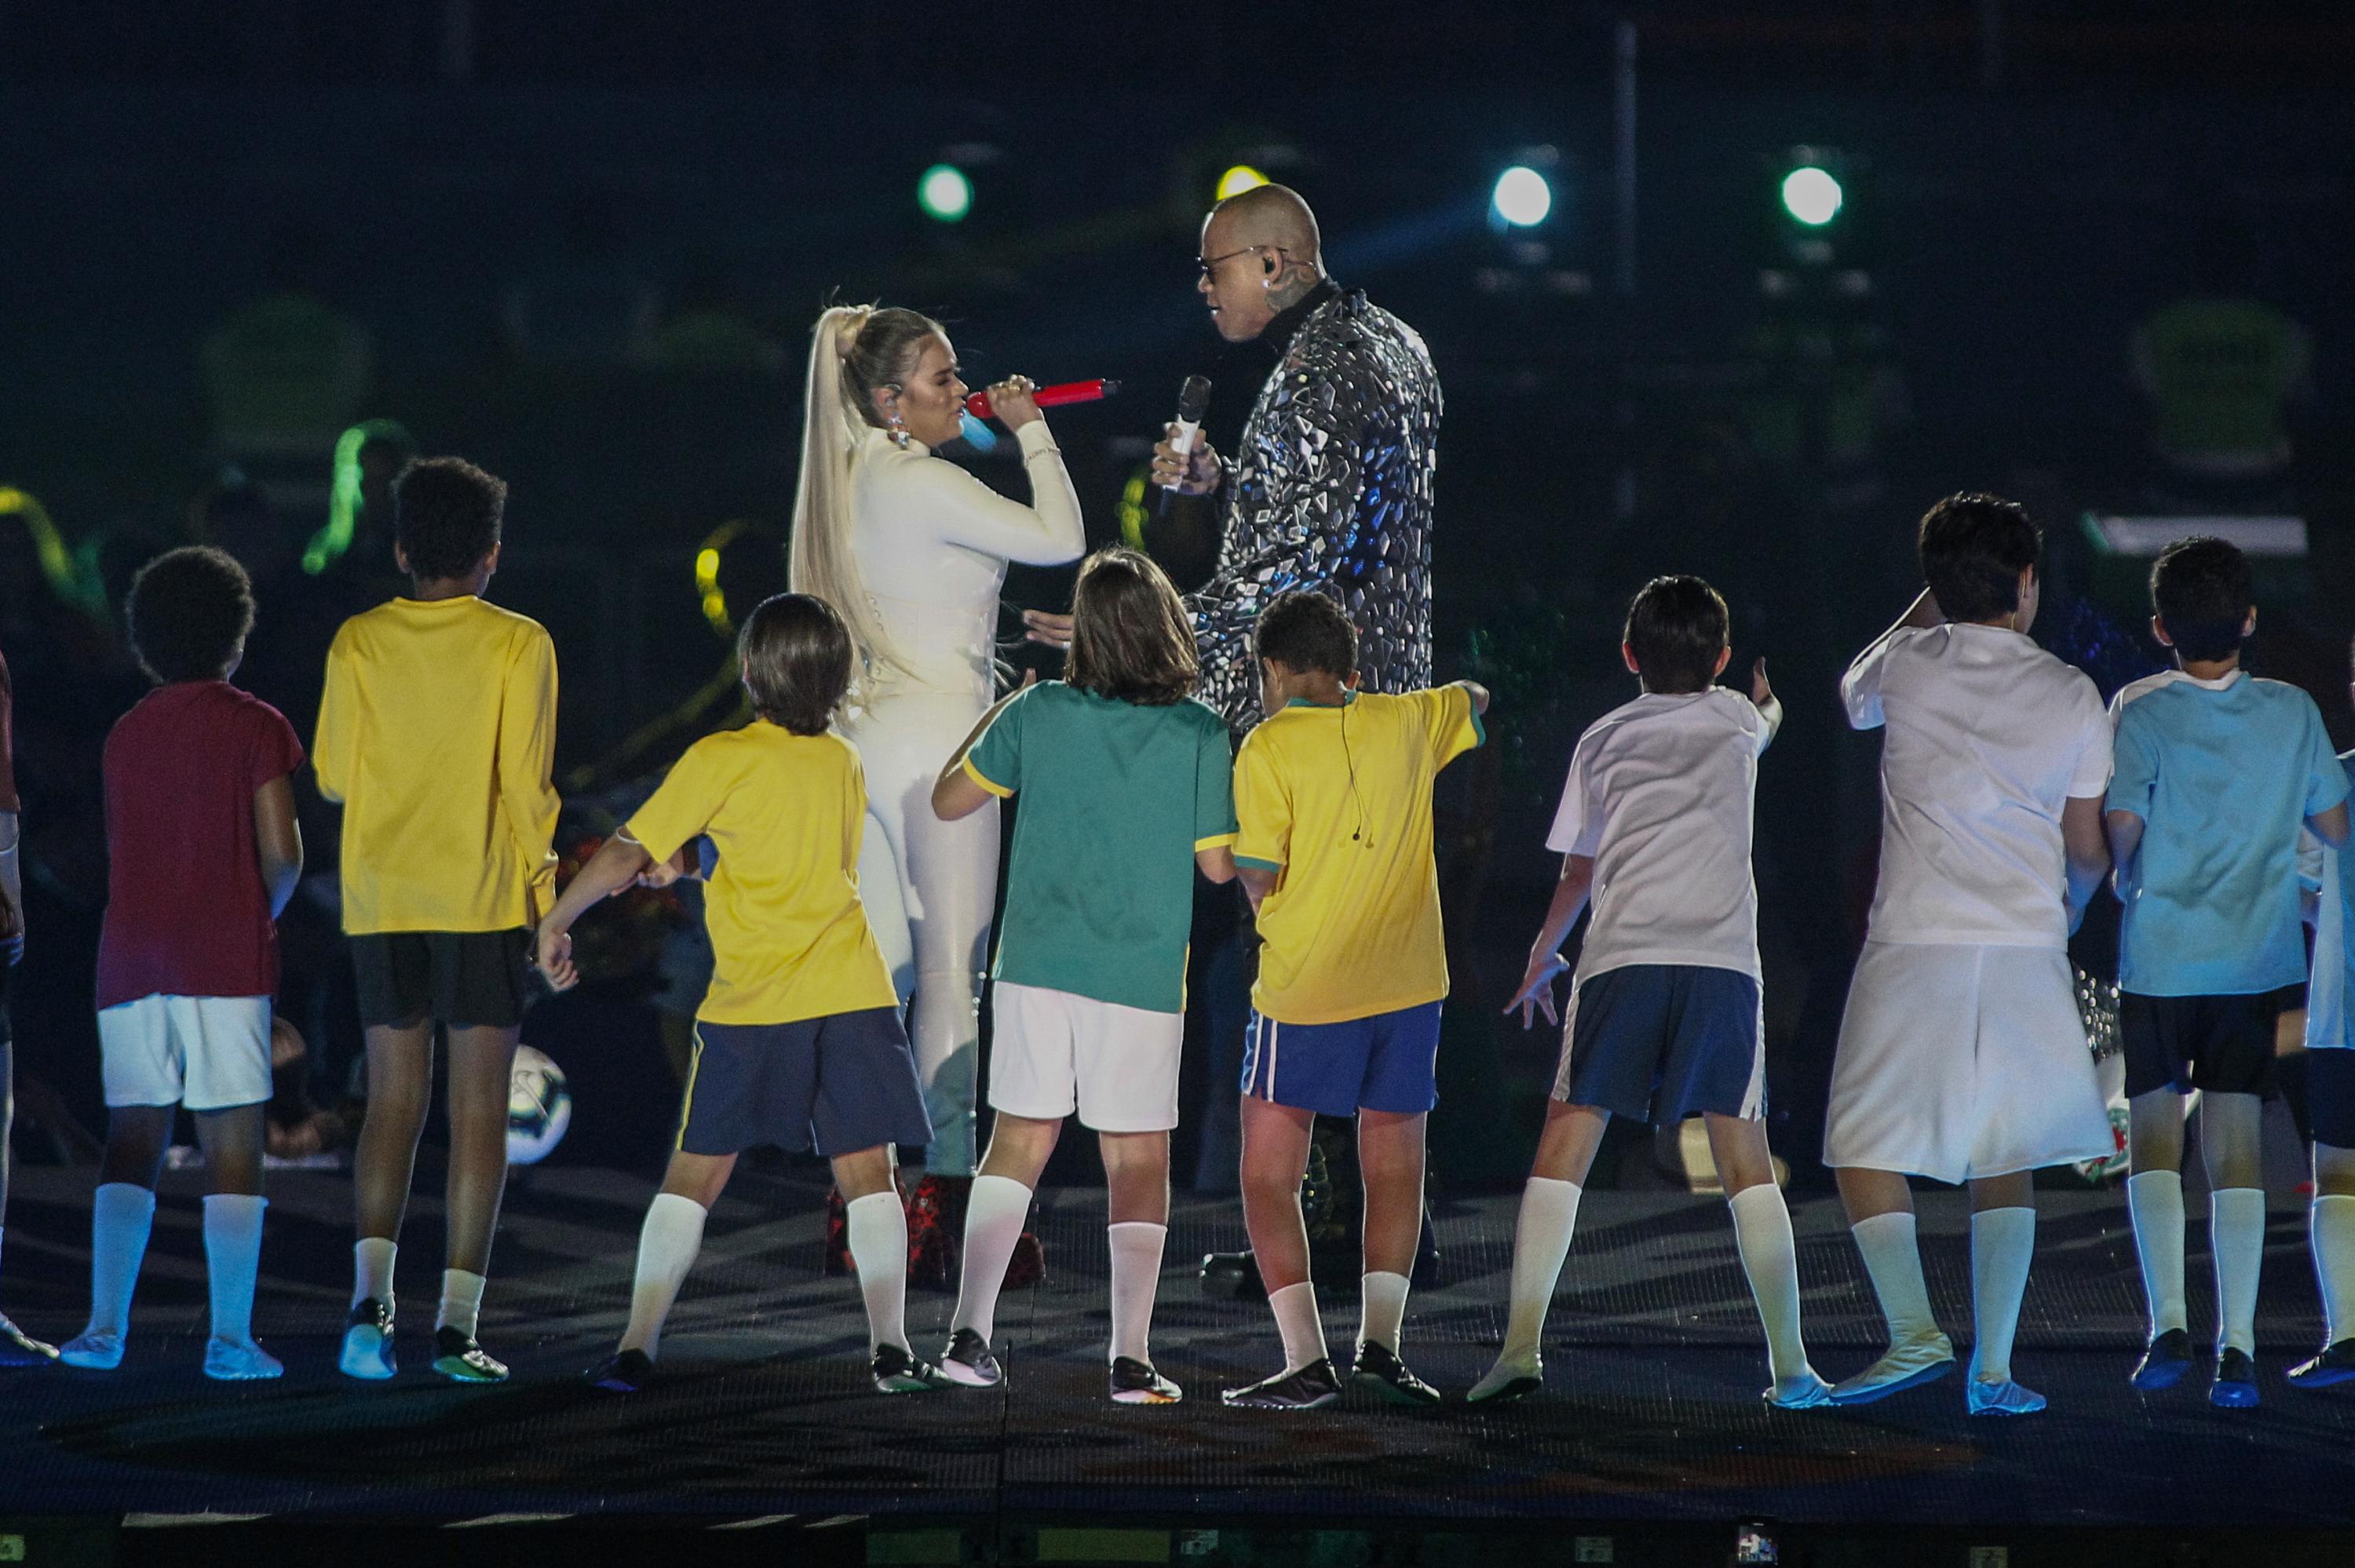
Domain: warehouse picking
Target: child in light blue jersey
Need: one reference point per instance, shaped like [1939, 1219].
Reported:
[2215, 772]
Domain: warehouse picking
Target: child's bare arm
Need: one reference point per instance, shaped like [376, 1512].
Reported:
[2084, 841]
[277, 842]
[615, 866]
[12, 893]
[2330, 826]
[1257, 883]
[1217, 863]
[1570, 894]
[1479, 696]
[955, 794]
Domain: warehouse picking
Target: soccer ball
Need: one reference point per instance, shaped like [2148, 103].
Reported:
[539, 1108]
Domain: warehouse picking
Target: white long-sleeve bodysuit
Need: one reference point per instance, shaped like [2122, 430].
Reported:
[932, 544]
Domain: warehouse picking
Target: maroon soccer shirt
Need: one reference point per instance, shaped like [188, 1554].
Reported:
[185, 911]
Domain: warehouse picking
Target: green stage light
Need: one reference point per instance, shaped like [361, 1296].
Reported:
[1812, 195]
[945, 193]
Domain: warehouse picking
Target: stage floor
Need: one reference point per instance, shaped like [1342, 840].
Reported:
[1652, 1415]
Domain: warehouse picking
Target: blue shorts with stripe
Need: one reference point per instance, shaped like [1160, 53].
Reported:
[1387, 1061]
[1659, 1042]
[838, 1084]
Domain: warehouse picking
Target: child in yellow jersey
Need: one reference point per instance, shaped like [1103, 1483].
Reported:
[798, 1041]
[437, 733]
[1333, 794]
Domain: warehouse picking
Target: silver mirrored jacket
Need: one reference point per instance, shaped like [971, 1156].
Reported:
[1331, 490]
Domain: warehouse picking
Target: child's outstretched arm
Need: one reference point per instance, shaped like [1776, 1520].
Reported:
[1545, 955]
[2330, 826]
[1769, 705]
[615, 865]
[954, 793]
[1479, 696]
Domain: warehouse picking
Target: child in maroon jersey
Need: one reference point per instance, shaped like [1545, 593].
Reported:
[204, 853]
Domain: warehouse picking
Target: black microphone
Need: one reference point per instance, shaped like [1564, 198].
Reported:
[1193, 402]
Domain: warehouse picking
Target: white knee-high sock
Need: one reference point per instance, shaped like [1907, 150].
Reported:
[1295, 1318]
[233, 1261]
[2154, 1201]
[461, 1301]
[2331, 1227]
[2003, 1243]
[2236, 1226]
[877, 1230]
[1770, 1258]
[372, 1260]
[1540, 1244]
[667, 1244]
[1382, 1309]
[994, 1215]
[1136, 1246]
[1892, 1259]
[121, 1216]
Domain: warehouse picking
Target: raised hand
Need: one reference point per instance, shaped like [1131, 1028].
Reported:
[1761, 693]
[1196, 473]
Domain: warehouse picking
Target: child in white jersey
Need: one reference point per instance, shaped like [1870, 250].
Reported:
[1665, 1019]
[1961, 1056]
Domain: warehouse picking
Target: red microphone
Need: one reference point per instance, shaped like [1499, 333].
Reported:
[1053, 396]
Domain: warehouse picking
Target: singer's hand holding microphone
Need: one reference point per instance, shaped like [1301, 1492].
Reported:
[1184, 461]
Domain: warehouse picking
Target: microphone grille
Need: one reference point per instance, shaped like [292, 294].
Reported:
[1194, 397]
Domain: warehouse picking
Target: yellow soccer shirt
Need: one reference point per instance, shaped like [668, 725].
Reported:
[1336, 801]
[437, 733]
[789, 937]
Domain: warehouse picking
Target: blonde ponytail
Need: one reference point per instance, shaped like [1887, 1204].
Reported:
[820, 560]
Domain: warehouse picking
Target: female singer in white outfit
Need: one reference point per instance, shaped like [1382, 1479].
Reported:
[913, 550]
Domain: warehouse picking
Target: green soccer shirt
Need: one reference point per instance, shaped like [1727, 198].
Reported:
[1116, 799]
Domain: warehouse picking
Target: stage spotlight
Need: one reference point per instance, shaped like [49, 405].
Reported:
[1238, 179]
[1812, 195]
[945, 193]
[1523, 196]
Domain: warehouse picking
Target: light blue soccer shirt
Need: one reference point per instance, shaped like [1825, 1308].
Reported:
[2328, 1025]
[2224, 774]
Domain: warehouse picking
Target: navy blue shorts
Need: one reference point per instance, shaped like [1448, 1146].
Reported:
[1659, 1042]
[2331, 1096]
[1387, 1061]
[838, 1084]
[2223, 1045]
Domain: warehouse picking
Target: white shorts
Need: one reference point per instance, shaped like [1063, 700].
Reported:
[206, 1053]
[1962, 1061]
[1054, 1053]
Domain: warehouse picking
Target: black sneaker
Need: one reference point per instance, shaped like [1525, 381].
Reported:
[970, 1361]
[367, 1342]
[2336, 1365]
[457, 1357]
[1313, 1384]
[1135, 1382]
[1232, 1276]
[1378, 1371]
[2164, 1363]
[624, 1372]
[2235, 1387]
[896, 1370]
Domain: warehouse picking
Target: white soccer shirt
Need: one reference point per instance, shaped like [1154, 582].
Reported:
[1659, 796]
[1987, 735]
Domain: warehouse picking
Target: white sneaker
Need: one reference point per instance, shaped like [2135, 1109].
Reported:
[2000, 1396]
[1508, 1380]
[1802, 1390]
[240, 1361]
[92, 1351]
[1909, 1365]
